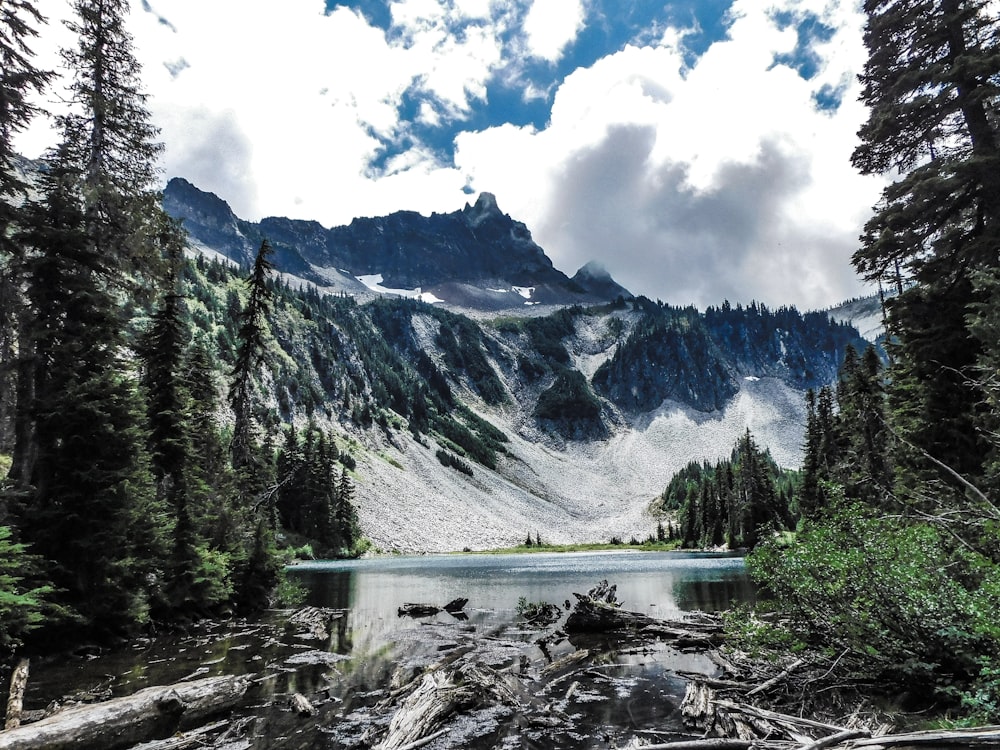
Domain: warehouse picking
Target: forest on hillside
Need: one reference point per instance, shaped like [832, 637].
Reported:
[151, 470]
[895, 567]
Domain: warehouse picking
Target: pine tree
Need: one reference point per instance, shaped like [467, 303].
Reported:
[109, 135]
[163, 350]
[93, 513]
[19, 80]
[249, 357]
[861, 424]
[932, 83]
[346, 515]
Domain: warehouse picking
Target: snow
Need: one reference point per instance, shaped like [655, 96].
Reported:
[374, 283]
[525, 291]
[576, 492]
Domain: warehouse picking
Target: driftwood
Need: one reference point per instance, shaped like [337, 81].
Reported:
[183, 740]
[15, 702]
[599, 611]
[443, 692]
[711, 744]
[314, 622]
[454, 608]
[768, 684]
[417, 610]
[979, 737]
[301, 705]
[152, 713]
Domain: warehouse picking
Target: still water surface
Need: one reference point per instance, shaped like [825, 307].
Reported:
[367, 646]
[661, 584]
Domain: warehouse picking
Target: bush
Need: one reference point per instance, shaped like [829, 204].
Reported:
[897, 594]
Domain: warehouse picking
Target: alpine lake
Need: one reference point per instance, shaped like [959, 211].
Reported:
[370, 651]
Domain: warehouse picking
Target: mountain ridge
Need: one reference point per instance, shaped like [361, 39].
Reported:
[471, 432]
[477, 257]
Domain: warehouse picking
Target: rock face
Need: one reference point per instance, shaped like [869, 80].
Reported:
[478, 257]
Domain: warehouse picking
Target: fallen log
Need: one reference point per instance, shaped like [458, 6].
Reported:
[599, 611]
[15, 701]
[444, 692]
[153, 713]
[417, 610]
[837, 739]
[183, 740]
[453, 608]
[709, 744]
[314, 622]
[768, 684]
[979, 737]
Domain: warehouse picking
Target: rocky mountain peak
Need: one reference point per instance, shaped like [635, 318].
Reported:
[478, 257]
[485, 207]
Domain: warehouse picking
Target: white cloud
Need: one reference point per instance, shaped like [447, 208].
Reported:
[551, 25]
[724, 180]
[689, 184]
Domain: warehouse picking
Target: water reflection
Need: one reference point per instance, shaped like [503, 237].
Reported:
[664, 584]
[370, 647]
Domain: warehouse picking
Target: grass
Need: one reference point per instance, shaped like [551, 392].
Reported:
[646, 546]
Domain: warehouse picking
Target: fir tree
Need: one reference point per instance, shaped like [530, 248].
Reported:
[932, 82]
[93, 513]
[19, 80]
[108, 134]
[249, 357]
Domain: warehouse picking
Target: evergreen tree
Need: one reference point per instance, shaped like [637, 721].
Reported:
[346, 515]
[19, 80]
[109, 136]
[811, 500]
[21, 603]
[163, 350]
[932, 83]
[249, 357]
[93, 513]
[864, 462]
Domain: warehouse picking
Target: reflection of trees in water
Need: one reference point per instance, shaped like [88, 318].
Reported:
[327, 588]
[713, 594]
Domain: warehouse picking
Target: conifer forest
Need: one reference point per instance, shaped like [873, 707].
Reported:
[172, 425]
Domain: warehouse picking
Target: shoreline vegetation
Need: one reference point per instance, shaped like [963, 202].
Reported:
[469, 689]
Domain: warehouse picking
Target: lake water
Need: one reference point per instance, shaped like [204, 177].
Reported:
[371, 645]
[661, 584]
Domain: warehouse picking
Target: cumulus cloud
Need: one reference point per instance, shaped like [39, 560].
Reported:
[694, 184]
[551, 25]
[692, 179]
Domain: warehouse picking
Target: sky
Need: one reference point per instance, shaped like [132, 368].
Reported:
[698, 149]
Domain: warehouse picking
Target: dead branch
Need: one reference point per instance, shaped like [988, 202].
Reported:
[777, 678]
[15, 701]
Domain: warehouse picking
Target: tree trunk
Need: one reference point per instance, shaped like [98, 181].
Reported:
[18, 682]
[152, 713]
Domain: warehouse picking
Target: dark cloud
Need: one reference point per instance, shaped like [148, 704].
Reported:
[212, 151]
[661, 238]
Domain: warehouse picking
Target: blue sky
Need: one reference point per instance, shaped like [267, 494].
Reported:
[698, 149]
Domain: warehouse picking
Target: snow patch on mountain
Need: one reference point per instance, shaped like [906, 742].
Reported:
[581, 492]
[374, 283]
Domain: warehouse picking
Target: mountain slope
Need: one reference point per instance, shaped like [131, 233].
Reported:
[474, 432]
[442, 412]
[477, 258]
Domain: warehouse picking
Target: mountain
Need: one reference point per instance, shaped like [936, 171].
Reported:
[475, 258]
[471, 430]
[864, 313]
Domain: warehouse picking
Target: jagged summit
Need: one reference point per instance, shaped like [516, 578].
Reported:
[486, 204]
[595, 279]
[477, 258]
